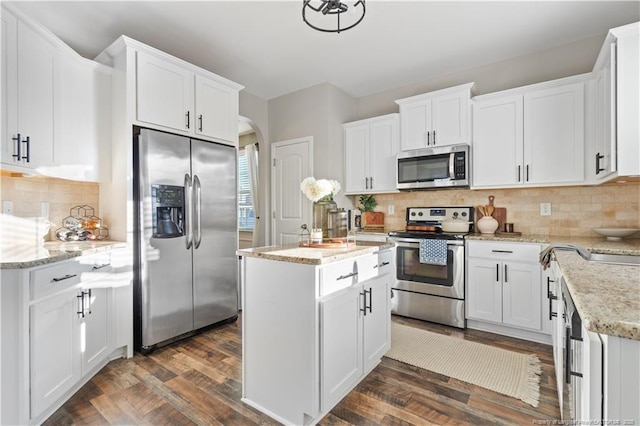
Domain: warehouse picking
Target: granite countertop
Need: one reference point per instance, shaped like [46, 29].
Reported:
[313, 256]
[29, 255]
[606, 296]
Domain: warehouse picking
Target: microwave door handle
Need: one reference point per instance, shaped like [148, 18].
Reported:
[452, 174]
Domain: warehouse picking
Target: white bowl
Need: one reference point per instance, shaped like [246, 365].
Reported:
[615, 234]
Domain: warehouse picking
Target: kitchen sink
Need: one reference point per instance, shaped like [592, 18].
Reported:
[615, 259]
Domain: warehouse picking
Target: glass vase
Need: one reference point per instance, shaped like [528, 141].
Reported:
[321, 215]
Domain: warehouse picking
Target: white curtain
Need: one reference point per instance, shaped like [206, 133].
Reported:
[251, 153]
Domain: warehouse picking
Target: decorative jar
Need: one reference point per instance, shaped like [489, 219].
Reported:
[321, 214]
[487, 225]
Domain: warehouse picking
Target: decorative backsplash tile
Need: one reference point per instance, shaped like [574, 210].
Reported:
[28, 194]
[574, 209]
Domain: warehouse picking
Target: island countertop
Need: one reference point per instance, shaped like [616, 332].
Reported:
[313, 256]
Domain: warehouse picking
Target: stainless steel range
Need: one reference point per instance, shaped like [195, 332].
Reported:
[426, 291]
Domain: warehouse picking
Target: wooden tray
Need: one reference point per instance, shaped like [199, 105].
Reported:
[508, 234]
[330, 243]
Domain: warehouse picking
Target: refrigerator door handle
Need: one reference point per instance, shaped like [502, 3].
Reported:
[197, 189]
[187, 213]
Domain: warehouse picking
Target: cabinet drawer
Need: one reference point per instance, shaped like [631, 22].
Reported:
[63, 275]
[53, 279]
[339, 275]
[99, 266]
[504, 251]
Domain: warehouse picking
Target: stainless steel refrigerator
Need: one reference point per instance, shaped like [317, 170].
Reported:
[185, 240]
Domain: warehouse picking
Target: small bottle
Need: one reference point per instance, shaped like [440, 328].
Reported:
[316, 236]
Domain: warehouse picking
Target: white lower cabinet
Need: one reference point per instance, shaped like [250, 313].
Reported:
[340, 344]
[504, 287]
[66, 320]
[312, 332]
[354, 336]
[69, 337]
[54, 350]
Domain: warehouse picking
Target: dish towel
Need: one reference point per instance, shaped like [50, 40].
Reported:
[433, 251]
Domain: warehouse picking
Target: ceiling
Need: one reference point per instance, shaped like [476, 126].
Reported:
[265, 45]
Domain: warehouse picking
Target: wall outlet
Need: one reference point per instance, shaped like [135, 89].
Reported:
[44, 210]
[7, 207]
[391, 209]
[545, 209]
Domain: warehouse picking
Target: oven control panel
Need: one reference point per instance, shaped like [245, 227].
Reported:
[438, 214]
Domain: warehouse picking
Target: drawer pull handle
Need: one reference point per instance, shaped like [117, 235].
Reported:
[101, 266]
[502, 251]
[380, 265]
[343, 277]
[66, 277]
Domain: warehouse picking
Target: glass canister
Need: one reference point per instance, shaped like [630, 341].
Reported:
[337, 223]
[321, 211]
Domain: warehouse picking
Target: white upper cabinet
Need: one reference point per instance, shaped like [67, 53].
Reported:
[615, 150]
[371, 146]
[84, 138]
[29, 66]
[216, 109]
[164, 93]
[56, 105]
[437, 118]
[554, 135]
[529, 137]
[498, 137]
[177, 98]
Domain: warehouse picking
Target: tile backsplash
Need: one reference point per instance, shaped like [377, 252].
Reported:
[28, 194]
[575, 210]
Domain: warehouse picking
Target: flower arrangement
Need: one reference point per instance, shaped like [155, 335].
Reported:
[321, 189]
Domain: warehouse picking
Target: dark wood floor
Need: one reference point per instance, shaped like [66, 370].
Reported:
[199, 381]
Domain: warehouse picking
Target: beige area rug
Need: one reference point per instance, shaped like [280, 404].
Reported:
[506, 372]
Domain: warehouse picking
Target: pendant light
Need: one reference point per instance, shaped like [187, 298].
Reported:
[332, 16]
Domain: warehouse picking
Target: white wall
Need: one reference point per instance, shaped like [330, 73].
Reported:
[320, 110]
[562, 61]
[256, 110]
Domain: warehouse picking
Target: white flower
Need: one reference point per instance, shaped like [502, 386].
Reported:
[335, 187]
[317, 189]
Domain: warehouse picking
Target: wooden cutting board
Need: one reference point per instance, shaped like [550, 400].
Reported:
[499, 213]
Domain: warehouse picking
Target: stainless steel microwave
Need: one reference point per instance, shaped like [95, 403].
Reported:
[429, 168]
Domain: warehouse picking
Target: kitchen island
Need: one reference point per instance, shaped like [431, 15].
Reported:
[315, 323]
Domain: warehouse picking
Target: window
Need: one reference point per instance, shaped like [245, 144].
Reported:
[246, 216]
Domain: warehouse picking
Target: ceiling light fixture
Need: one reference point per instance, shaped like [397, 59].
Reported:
[325, 9]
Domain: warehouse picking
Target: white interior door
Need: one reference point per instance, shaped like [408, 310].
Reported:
[292, 161]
